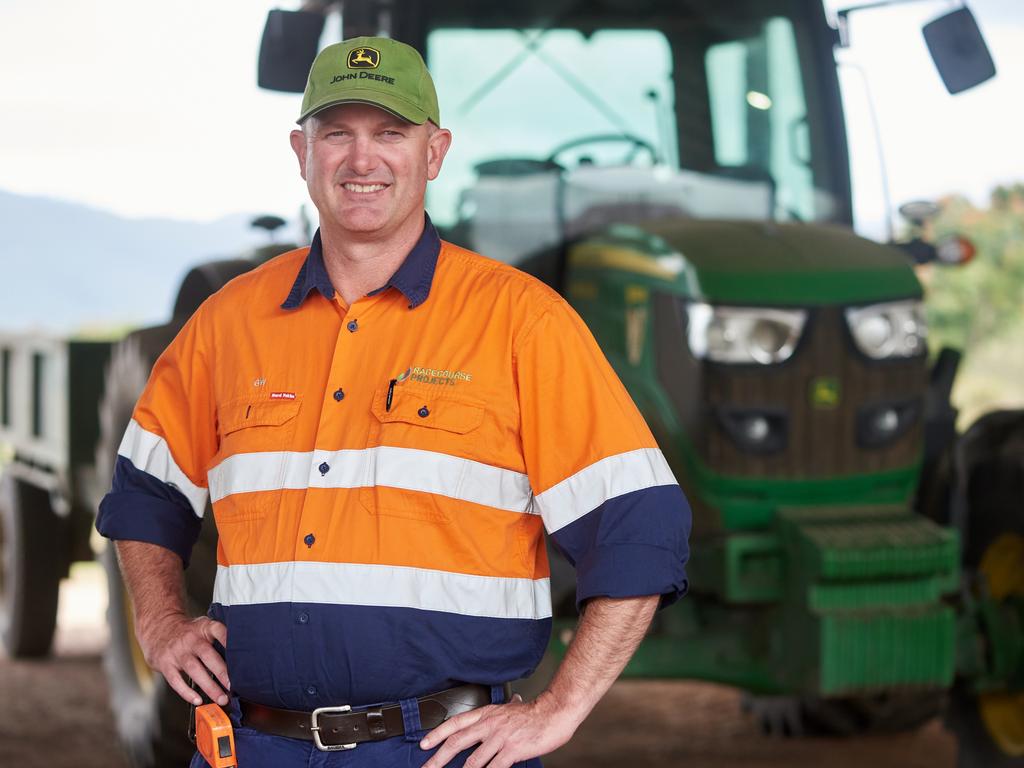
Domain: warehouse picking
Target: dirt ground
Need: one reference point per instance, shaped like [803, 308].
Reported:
[53, 713]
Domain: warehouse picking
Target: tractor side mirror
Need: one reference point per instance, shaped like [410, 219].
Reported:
[289, 45]
[959, 50]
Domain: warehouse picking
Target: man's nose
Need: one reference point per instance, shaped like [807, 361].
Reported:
[362, 158]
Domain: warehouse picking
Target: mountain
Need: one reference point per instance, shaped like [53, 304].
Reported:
[65, 266]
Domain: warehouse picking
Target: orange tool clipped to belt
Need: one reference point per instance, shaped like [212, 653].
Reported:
[211, 731]
[214, 736]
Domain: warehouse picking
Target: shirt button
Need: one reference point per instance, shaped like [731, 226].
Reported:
[339, 395]
[423, 412]
[310, 538]
[324, 468]
[303, 618]
[311, 690]
[353, 326]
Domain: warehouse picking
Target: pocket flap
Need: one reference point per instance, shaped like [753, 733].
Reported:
[424, 408]
[246, 412]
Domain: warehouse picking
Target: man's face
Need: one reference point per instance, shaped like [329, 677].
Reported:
[366, 169]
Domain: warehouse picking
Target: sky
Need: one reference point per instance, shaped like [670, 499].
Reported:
[151, 109]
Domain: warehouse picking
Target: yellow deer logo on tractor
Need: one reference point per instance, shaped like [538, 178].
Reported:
[364, 58]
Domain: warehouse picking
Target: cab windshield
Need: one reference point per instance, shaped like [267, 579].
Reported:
[715, 112]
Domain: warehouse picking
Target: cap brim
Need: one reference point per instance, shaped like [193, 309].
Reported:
[396, 106]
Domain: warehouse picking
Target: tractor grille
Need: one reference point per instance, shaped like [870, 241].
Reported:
[819, 441]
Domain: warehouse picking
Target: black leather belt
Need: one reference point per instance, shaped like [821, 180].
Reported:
[337, 728]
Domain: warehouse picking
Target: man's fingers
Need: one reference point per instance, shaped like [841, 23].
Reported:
[457, 742]
[180, 687]
[201, 677]
[482, 755]
[213, 662]
[505, 758]
[448, 727]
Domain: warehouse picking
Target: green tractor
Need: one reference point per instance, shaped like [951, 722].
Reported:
[857, 566]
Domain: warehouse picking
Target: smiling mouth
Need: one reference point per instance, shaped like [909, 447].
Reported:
[363, 188]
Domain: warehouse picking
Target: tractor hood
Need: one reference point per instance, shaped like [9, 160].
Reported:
[762, 263]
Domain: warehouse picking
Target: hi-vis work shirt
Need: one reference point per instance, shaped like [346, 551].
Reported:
[381, 475]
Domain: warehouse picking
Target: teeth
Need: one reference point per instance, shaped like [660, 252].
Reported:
[364, 187]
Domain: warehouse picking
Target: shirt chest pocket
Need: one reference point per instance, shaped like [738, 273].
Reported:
[417, 465]
[256, 445]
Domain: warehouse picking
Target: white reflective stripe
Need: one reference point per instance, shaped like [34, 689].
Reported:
[407, 468]
[265, 471]
[383, 586]
[589, 488]
[150, 453]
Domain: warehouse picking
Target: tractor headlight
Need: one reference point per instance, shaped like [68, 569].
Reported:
[743, 334]
[892, 329]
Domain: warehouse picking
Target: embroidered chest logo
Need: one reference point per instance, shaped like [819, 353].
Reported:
[445, 376]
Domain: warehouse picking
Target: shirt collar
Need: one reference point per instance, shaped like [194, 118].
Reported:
[413, 277]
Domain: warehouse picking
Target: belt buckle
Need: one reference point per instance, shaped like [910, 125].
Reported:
[314, 728]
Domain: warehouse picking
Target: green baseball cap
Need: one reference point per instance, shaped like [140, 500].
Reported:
[372, 70]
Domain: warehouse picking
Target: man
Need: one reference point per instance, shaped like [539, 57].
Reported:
[384, 423]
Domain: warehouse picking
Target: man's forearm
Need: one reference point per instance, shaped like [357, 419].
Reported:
[607, 636]
[155, 580]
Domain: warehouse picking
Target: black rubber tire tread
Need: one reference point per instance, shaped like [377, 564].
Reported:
[993, 462]
[882, 713]
[203, 280]
[797, 717]
[33, 555]
[151, 719]
[975, 747]
[994, 457]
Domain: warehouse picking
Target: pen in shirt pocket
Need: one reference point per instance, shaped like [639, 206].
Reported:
[391, 394]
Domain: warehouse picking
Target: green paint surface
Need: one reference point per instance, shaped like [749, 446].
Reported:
[766, 264]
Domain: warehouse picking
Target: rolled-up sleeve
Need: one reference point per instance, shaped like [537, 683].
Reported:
[158, 493]
[608, 498]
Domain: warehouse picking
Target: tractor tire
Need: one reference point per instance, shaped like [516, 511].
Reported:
[796, 716]
[991, 479]
[976, 747]
[33, 560]
[151, 719]
[992, 465]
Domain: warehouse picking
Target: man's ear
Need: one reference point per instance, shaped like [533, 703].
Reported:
[437, 148]
[298, 141]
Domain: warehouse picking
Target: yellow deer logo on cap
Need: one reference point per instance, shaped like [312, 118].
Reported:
[364, 58]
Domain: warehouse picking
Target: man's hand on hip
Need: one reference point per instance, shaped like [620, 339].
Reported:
[507, 733]
[608, 633]
[176, 644]
[172, 643]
